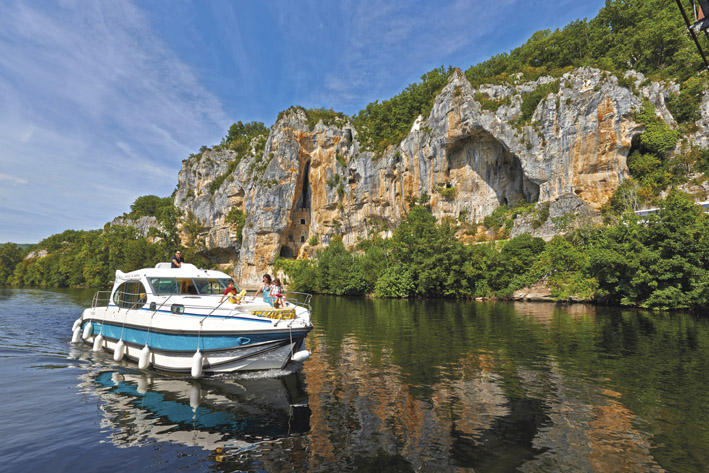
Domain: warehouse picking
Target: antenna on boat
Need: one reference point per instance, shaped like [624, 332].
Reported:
[700, 8]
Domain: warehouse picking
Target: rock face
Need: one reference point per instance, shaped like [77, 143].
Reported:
[468, 156]
[141, 224]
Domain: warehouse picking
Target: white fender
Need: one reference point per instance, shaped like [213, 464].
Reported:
[197, 360]
[195, 395]
[119, 351]
[142, 385]
[87, 331]
[144, 358]
[77, 322]
[98, 342]
[302, 355]
[76, 336]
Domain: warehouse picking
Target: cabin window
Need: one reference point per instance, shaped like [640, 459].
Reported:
[130, 295]
[164, 285]
[187, 286]
[212, 286]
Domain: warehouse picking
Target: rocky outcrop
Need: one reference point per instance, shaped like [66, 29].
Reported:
[141, 224]
[472, 154]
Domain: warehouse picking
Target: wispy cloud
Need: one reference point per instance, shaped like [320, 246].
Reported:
[92, 101]
[12, 179]
[384, 46]
[387, 45]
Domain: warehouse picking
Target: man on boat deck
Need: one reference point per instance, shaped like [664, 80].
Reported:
[177, 260]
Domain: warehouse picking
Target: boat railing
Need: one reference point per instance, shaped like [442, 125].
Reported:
[131, 301]
[301, 299]
[101, 299]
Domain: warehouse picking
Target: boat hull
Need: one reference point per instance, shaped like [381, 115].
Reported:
[227, 344]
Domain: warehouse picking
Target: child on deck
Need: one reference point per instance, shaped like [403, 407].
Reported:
[277, 292]
[230, 292]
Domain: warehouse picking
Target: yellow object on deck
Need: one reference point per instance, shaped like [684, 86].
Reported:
[280, 314]
[238, 297]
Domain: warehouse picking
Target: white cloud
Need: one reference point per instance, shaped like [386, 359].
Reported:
[96, 112]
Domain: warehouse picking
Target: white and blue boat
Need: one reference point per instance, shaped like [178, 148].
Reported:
[171, 319]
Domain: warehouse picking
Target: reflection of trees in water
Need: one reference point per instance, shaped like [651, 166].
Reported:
[442, 385]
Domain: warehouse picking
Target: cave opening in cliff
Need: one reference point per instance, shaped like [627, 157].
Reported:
[634, 153]
[305, 194]
[490, 173]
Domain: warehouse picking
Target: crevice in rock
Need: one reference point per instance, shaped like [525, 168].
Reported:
[298, 231]
[304, 201]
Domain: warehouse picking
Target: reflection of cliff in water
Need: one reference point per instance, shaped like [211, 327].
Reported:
[210, 413]
[465, 386]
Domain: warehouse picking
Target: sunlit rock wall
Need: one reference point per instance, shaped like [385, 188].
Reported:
[311, 184]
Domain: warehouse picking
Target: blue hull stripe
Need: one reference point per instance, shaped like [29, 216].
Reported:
[183, 342]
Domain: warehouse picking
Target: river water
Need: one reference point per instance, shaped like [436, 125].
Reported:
[392, 386]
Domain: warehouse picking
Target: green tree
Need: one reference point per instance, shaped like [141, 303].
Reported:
[514, 259]
[10, 255]
[432, 252]
[658, 138]
[660, 263]
[339, 271]
[383, 124]
[149, 205]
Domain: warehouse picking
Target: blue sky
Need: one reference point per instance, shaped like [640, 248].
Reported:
[100, 101]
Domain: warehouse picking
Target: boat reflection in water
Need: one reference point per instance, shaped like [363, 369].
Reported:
[217, 414]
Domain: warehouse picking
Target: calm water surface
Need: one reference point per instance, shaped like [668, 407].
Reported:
[392, 386]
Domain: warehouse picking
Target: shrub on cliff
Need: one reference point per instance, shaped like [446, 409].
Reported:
[241, 138]
[236, 218]
[658, 137]
[531, 100]
[684, 106]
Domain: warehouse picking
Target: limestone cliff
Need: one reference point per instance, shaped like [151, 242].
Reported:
[470, 155]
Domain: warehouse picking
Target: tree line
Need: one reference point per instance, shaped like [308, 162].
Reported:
[80, 258]
[658, 262]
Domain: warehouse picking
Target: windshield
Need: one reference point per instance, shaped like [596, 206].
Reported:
[188, 286]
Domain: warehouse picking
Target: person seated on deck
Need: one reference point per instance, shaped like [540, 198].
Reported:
[230, 292]
[266, 289]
